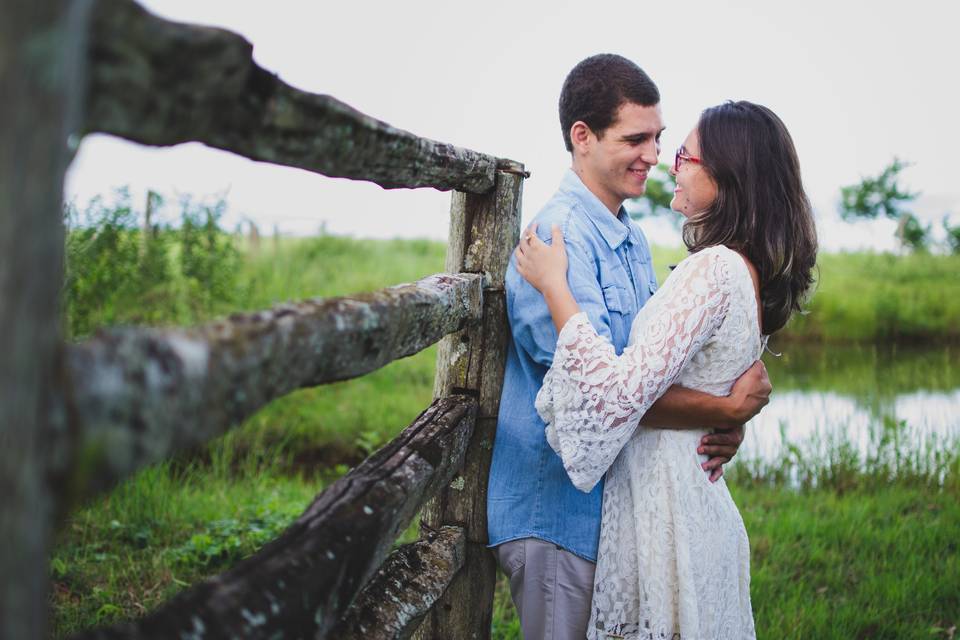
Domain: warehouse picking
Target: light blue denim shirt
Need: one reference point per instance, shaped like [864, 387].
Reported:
[611, 277]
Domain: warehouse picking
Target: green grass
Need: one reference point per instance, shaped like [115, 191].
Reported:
[339, 422]
[867, 562]
[852, 550]
[895, 453]
[342, 423]
[862, 564]
[165, 528]
[846, 544]
[879, 297]
[179, 521]
[859, 297]
[872, 297]
[297, 268]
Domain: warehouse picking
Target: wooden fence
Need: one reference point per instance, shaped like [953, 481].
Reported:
[75, 419]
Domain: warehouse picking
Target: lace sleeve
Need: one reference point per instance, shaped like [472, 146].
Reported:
[592, 399]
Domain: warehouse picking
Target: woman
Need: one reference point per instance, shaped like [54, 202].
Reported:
[673, 558]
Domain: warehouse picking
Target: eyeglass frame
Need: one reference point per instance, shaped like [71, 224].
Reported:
[681, 154]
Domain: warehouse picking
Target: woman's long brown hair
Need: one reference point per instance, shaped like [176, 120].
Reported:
[761, 208]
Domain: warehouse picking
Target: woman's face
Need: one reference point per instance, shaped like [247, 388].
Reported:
[695, 190]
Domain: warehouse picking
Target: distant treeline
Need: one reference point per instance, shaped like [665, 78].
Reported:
[124, 268]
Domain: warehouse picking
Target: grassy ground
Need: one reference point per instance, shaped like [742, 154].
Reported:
[163, 530]
[851, 552]
[863, 564]
[337, 423]
[176, 522]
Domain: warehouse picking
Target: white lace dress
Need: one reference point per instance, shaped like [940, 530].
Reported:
[674, 560]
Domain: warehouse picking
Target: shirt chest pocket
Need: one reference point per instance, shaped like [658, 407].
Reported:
[621, 309]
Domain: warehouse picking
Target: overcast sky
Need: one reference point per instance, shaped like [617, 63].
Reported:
[857, 83]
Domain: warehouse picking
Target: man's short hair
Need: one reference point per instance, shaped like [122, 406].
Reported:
[595, 89]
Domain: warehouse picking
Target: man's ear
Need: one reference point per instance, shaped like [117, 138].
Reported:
[581, 137]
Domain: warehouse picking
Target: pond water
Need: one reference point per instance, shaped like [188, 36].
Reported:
[827, 395]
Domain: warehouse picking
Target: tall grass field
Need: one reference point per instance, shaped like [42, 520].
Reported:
[840, 548]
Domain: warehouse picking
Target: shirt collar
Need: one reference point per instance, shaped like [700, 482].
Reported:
[613, 230]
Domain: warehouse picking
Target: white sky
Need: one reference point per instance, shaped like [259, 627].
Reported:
[856, 83]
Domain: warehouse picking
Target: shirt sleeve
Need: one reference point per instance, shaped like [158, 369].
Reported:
[529, 315]
[592, 400]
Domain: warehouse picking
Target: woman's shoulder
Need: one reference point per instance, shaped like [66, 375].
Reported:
[717, 252]
[719, 264]
[708, 258]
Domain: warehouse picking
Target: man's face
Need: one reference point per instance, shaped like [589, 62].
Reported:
[615, 166]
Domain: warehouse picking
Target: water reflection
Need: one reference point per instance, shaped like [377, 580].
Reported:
[848, 394]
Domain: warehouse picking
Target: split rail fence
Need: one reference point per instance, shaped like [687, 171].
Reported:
[77, 418]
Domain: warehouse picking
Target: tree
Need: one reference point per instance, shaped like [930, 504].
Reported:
[913, 234]
[883, 195]
[953, 235]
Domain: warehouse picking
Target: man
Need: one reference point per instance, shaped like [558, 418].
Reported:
[543, 530]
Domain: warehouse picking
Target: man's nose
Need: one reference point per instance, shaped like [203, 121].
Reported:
[650, 153]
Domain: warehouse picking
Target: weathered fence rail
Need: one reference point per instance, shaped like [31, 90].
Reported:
[77, 418]
[162, 83]
[306, 579]
[411, 580]
[138, 395]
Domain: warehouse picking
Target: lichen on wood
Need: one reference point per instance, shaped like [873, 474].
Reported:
[301, 584]
[159, 82]
[394, 602]
[132, 396]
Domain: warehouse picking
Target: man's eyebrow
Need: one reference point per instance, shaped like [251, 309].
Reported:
[640, 137]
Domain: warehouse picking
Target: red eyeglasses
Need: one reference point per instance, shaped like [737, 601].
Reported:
[681, 157]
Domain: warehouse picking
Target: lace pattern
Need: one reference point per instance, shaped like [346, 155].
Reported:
[673, 558]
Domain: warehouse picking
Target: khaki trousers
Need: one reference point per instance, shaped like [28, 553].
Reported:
[551, 588]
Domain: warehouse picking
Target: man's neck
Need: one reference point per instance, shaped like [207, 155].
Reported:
[611, 202]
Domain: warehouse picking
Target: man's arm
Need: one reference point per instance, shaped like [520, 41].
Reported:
[682, 408]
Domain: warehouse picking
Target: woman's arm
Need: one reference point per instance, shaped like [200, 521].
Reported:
[591, 398]
[677, 408]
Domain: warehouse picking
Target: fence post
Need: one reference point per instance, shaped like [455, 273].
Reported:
[484, 229]
[39, 43]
